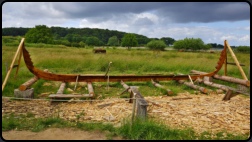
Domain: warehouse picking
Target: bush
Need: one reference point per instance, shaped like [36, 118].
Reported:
[57, 42]
[244, 49]
[75, 44]
[156, 44]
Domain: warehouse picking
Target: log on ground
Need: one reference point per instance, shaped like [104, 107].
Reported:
[160, 86]
[227, 78]
[90, 88]
[29, 82]
[196, 87]
[62, 87]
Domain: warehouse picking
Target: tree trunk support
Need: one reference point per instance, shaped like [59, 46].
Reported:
[229, 94]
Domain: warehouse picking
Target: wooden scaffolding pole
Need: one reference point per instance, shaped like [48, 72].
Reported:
[236, 61]
[225, 63]
[20, 55]
[13, 61]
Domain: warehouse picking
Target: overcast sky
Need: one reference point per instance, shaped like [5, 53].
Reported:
[213, 22]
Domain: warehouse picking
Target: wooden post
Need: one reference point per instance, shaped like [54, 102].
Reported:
[13, 61]
[20, 55]
[190, 79]
[90, 88]
[227, 78]
[236, 61]
[28, 83]
[225, 63]
[62, 87]
[108, 69]
[141, 103]
[160, 86]
[133, 109]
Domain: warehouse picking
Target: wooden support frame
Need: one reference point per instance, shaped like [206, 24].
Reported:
[236, 61]
[11, 66]
[20, 55]
[225, 62]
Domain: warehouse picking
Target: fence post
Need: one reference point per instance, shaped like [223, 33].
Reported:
[133, 109]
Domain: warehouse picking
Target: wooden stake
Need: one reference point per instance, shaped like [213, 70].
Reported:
[225, 63]
[236, 61]
[20, 55]
[76, 82]
[190, 79]
[8, 73]
[134, 106]
[248, 71]
[62, 87]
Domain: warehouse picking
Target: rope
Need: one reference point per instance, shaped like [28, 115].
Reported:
[129, 99]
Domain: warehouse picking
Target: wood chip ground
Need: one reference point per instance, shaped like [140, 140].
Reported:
[211, 115]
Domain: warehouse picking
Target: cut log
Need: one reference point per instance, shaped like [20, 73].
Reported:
[219, 91]
[62, 87]
[222, 87]
[29, 82]
[125, 86]
[90, 88]
[227, 78]
[196, 87]
[160, 86]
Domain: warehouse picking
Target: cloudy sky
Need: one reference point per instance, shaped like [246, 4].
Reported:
[213, 22]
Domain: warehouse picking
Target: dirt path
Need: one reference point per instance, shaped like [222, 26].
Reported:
[56, 134]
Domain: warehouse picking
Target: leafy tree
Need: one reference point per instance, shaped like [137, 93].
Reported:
[168, 40]
[39, 34]
[69, 37]
[92, 41]
[207, 46]
[129, 40]
[101, 43]
[220, 46]
[77, 38]
[113, 41]
[66, 43]
[189, 43]
[82, 44]
[56, 36]
[156, 44]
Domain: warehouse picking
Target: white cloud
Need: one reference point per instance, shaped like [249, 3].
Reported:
[230, 37]
[244, 38]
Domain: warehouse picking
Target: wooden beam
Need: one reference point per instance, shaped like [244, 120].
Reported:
[227, 78]
[234, 64]
[76, 82]
[181, 98]
[13, 61]
[196, 87]
[108, 69]
[28, 83]
[236, 61]
[69, 95]
[160, 86]
[20, 55]
[62, 87]
[90, 88]
[225, 63]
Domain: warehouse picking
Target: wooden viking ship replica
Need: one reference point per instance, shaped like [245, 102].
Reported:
[114, 78]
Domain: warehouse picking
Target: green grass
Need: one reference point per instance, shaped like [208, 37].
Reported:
[149, 129]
